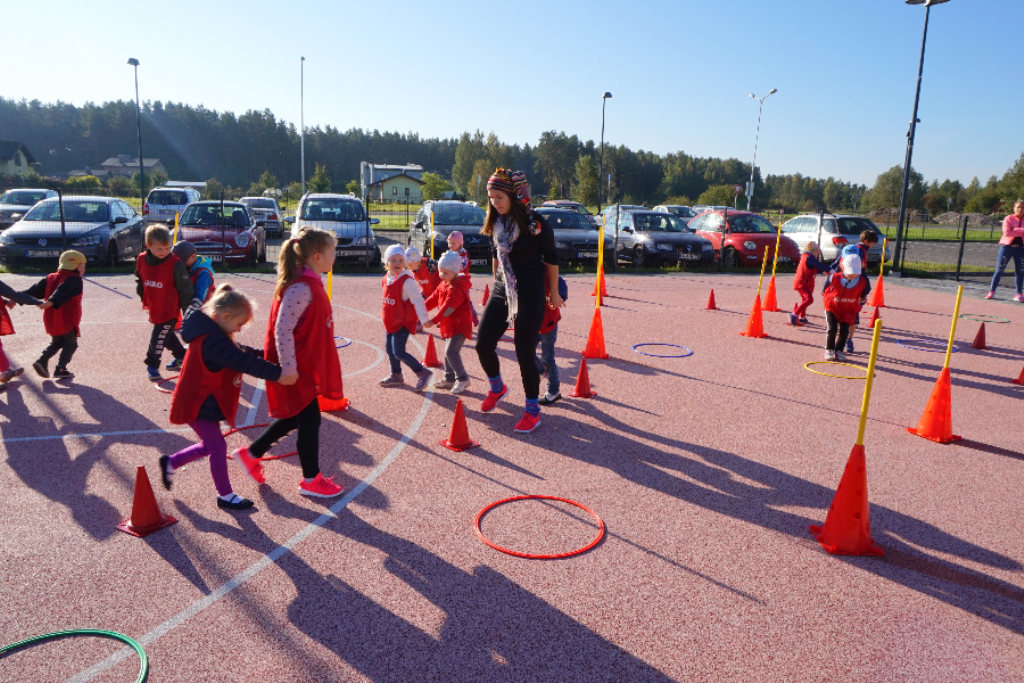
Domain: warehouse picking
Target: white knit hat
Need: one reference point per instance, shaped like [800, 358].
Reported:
[413, 255]
[393, 250]
[451, 261]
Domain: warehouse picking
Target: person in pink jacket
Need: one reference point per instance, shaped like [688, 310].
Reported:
[1011, 246]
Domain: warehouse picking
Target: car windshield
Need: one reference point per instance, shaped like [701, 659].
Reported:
[855, 226]
[259, 203]
[22, 198]
[657, 222]
[167, 198]
[75, 211]
[682, 211]
[566, 220]
[330, 209]
[749, 223]
[209, 214]
[458, 214]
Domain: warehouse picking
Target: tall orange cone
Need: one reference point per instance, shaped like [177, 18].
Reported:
[595, 340]
[1019, 380]
[755, 325]
[146, 516]
[430, 357]
[874, 317]
[770, 303]
[979, 339]
[487, 295]
[937, 421]
[599, 284]
[847, 527]
[458, 439]
[582, 389]
[877, 295]
[712, 306]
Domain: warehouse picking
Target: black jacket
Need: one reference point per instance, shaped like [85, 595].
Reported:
[17, 297]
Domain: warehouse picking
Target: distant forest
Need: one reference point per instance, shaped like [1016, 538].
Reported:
[196, 143]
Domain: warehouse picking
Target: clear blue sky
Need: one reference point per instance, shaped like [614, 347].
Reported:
[679, 70]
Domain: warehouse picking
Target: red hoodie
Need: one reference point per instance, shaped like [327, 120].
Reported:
[454, 294]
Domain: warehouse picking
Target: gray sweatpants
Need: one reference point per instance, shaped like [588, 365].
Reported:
[453, 366]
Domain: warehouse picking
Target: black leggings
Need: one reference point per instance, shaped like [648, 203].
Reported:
[831, 343]
[307, 441]
[494, 322]
[163, 336]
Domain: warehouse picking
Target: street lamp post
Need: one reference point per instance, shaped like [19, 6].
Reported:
[600, 165]
[302, 120]
[138, 120]
[760, 104]
[897, 252]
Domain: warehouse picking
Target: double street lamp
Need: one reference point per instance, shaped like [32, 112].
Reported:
[302, 120]
[138, 120]
[760, 104]
[600, 167]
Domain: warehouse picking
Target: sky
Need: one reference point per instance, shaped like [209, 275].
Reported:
[680, 72]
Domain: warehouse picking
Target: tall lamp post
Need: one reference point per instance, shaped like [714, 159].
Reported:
[138, 120]
[600, 166]
[302, 120]
[904, 191]
[760, 104]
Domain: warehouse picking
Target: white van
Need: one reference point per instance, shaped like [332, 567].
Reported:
[163, 202]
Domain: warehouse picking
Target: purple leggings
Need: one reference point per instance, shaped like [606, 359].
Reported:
[212, 444]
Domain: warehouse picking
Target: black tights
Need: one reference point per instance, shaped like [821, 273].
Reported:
[831, 343]
[494, 322]
[307, 441]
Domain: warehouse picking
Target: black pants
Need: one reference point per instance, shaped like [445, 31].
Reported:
[834, 326]
[163, 336]
[307, 422]
[67, 344]
[494, 322]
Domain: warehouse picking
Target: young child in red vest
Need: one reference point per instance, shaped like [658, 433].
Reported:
[209, 386]
[456, 240]
[803, 282]
[402, 308]
[11, 297]
[451, 299]
[300, 336]
[845, 294]
[164, 285]
[62, 313]
[424, 271]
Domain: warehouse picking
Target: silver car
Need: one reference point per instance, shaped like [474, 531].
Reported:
[266, 209]
[162, 203]
[345, 217]
[685, 213]
[832, 234]
[15, 203]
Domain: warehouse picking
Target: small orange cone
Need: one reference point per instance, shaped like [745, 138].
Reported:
[582, 389]
[711, 302]
[595, 340]
[332, 405]
[487, 295]
[874, 318]
[1019, 380]
[979, 339]
[755, 325]
[599, 285]
[847, 527]
[458, 439]
[430, 358]
[146, 516]
[877, 296]
[770, 303]
[937, 422]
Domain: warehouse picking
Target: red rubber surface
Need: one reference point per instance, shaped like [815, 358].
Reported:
[536, 556]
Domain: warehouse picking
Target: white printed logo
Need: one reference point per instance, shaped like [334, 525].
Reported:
[153, 283]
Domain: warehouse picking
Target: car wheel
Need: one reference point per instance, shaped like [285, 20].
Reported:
[262, 256]
[640, 259]
[377, 258]
[112, 256]
[732, 258]
[250, 258]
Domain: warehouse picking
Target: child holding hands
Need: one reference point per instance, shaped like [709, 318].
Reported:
[451, 299]
[11, 297]
[62, 313]
[803, 282]
[403, 305]
[845, 294]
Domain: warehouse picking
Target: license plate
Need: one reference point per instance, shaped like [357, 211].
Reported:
[216, 258]
[783, 259]
[587, 254]
[43, 253]
[686, 256]
[478, 262]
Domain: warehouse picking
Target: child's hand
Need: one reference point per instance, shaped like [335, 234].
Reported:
[427, 325]
[288, 380]
[556, 301]
[10, 304]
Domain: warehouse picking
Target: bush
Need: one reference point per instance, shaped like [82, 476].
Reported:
[83, 182]
[120, 186]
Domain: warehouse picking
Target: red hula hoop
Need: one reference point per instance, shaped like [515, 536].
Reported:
[533, 556]
[165, 379]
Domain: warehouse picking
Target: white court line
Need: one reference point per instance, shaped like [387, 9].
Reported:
[254, 404]
[55, 437]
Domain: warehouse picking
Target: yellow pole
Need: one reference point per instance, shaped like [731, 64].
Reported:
[778, 236]
[330, 285]
[956, 315]
[867, 386]
[175, 227]
[881, 268]
[600, 264]
[431, 236]
[761, 279]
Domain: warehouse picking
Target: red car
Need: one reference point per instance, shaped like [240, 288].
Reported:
[235, 235]
[748, 237]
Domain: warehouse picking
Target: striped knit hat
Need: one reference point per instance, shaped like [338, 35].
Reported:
[501, 179]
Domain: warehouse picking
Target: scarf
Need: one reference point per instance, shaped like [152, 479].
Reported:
[503, 241]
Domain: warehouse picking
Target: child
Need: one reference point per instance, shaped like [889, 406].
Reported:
[548, 337]
[300, 336]
[62, 312]
[200, 271]
[451, 299]
[165, 288]
[10, 298]
[803, 282]
[868, 239]
[424, 271]
[455, 241]
[403, 304]
[845, 294]
[210, 384]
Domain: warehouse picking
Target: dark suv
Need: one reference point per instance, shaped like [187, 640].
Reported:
[575, 238]
[437, 219]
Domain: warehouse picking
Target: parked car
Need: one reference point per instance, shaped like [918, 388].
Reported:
[163, 202]
[575, 238]
[106, 229]
[15, 203]
[266, 209]
[832, 234]
[747, 238]
[572, 206]
[436, 219]
[345, 216]
[651, 238]
[234, 236]
[683, 212]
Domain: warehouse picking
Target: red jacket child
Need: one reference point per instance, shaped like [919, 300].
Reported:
[844, 302]
[452, 295]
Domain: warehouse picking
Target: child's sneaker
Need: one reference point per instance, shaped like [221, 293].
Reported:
[62, 373]
[527, 424]
[423, 378]
[320, 487]
[153, 374]
[492, 399]
[1019, 298]
[548, 399]
[444, 384]
[849, 346]
[840, 356]
[7, 375]
[251, 465]
[236, 502]
[166, 471]
[392, 380]
[793, 320]
[40, 369]
[830, 355]
[804, 321]
[990, 294]
[460, 386]
[174, 365]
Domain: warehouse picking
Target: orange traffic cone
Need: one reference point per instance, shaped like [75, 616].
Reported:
[146, 516]
[937, 422]
[877, 295]
[711, 302]
[847, 527]
[874, 317]
[1019, 380]
[487, 295]
[599, 285]
[458, 439]
[595, 340]
[979, 339]
[582, 389]
[755, 325]
[430, 358]
[770, 303]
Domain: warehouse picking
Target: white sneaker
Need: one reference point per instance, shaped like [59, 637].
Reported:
[840, 356]
[444, 384]
[830, 355]
[460, 386]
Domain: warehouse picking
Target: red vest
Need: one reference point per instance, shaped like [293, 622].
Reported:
[427, 280]
[159, 295]
[315, 353]
[197, 382]
[465, 261]
[395, 311]
[6, 324]
[60, 321]
[841, 302]
[804, 278]
[454, 294]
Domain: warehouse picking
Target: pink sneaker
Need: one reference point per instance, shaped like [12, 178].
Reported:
[492, 399]
[527, 424]
[990, 295]
[1019, 298]
[320, 487]
[250, 464]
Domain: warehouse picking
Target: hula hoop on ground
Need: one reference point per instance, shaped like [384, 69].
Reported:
[341, 346]
[976, 317]
[143, 660]
[165, 379]
[900, 342]
[234, 430]
[832, 362]
[534, 556]
[689, 352]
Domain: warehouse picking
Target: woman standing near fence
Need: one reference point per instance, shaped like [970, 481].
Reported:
[1011, 246]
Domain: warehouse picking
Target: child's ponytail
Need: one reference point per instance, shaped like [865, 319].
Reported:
[228, 300]
[295, 251]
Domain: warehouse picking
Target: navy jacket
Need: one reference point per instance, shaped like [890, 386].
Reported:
[19, 297]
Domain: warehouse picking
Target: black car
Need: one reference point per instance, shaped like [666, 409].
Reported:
[435, 220]
[651, 238]
[575, 238]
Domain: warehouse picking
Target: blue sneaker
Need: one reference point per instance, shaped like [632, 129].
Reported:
[849, 346]
[154, 374]
[174, 365]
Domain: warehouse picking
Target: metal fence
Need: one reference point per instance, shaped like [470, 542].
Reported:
[957, 252]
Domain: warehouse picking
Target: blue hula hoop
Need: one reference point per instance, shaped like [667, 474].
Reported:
[689, 352]
[341, 346]
[924, 341]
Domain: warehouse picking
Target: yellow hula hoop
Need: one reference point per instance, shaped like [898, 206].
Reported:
[832, 362]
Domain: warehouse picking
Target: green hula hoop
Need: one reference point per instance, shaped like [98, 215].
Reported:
[143, 660]
[987, 318]
[832, 362]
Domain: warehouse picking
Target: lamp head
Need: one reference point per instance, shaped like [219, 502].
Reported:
[751, 95]
[926, 3]
[774, 90]
[607, 96]
[133, 61]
